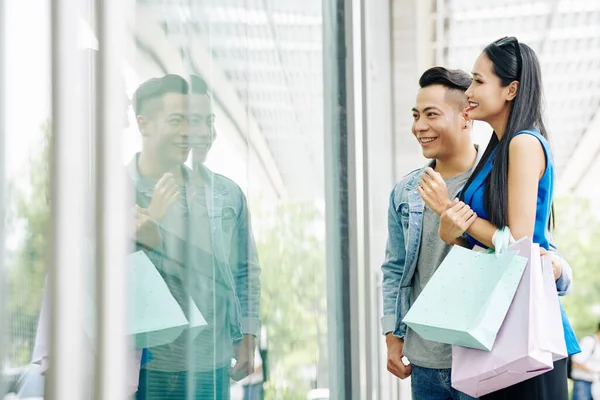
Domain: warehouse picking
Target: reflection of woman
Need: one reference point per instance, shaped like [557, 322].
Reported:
[506, 92]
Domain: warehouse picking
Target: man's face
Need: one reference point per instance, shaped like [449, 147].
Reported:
[202, 132]
[166, 131]
[437, 121]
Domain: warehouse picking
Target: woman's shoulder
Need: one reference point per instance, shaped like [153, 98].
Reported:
[529, 135]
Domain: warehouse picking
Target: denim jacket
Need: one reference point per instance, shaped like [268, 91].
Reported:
[405, 222]
[233, 246]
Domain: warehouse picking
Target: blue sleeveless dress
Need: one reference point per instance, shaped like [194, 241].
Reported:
[474, 197]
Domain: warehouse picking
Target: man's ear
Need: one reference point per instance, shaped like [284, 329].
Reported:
[512, 90]
[466, 123]
[143, 124]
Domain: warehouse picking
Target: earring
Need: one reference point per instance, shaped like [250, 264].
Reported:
[466, 126]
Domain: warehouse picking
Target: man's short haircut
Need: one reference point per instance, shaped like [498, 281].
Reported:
[144, 98]
[455, 80]
[199, 85]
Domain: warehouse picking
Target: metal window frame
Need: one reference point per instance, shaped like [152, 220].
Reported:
[70, 206]
[3, 333]
[347, 202]
[66, 371]
[111, 200]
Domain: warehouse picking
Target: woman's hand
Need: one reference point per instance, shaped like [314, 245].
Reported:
[164, 195]
[455, 221]
[556, 266]
[433, 191]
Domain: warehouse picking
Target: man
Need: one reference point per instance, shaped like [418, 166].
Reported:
[195, 229]
[586, 366]
[414, 249]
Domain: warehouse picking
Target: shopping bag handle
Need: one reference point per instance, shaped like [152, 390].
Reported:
[501, 240]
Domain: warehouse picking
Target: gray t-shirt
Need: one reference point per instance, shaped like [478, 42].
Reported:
[432, 252]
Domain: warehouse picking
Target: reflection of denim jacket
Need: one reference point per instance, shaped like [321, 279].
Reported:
[233, 246]
[405, 221]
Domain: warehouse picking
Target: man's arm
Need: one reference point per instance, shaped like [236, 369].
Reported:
[393, 267]
[392, 270]
[245, 256]
[248, 271]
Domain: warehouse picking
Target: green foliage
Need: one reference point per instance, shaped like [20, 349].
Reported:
[577, 236]
[26, 272]
[293, 309]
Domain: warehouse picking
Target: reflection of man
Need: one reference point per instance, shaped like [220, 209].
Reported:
[586, 367]
[189, 225]
[226, 199]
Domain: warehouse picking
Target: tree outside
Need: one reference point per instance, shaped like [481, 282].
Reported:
[577, 236]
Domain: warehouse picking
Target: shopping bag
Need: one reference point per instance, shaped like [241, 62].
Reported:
[467, 298]
[155, 317]
[554, 337]
[197, 323]
[528, 340]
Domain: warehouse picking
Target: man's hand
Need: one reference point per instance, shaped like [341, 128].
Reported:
[455, 221]
[244, 358]
[433, 191]
[165, 194]
[395, 365]
[556, 266]
[147, 232]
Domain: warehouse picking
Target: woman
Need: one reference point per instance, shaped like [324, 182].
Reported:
[506, 92]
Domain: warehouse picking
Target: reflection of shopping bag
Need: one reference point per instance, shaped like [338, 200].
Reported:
[196, 320]
[155, 317]
[467, 298]
[530, 339]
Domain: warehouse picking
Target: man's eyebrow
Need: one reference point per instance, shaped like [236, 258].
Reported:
[180, 115]
[428, 108]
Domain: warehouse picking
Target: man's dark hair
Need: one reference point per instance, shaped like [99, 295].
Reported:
[455, 80]
[155, 89]
[199, 85]
[450, 78]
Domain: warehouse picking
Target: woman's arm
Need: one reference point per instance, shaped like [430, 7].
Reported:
[526, 166]
[482, 230]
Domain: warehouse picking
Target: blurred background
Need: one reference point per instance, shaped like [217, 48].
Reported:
[312, 103]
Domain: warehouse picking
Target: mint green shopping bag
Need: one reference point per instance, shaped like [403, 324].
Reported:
[197, 323]
[467, 298]
[155, 317]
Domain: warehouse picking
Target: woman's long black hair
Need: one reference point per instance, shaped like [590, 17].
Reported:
[513, 61]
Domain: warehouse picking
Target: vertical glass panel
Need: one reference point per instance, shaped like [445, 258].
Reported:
[26, 183]
[224, 149]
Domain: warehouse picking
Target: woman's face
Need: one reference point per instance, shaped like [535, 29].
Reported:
[488, 99]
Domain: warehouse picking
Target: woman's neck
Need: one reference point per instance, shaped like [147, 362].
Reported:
[499, 123]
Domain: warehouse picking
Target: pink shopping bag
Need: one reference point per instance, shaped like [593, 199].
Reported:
[554, 337]
[530, 339]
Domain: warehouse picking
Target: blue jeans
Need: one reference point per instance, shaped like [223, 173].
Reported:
[582, 390]
[254, 392]
[158, 385]
[434, 384]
